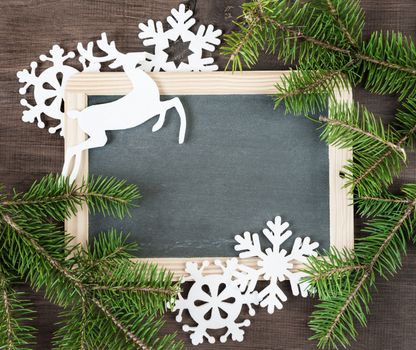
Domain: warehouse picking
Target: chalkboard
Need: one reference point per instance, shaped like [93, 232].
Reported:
[242, 164]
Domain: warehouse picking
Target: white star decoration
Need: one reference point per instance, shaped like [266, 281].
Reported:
[181, 21]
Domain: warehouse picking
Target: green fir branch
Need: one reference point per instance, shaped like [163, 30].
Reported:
[324, 39]
[343, 279]
[388, 61]
[369, 206]
[110, 196]
[351, 304]
[15, 312]
[349, 17]
[108, 247]
[356, 132]
[387, 165]
[321, 33]
[307, 91]
[83, 326]
[379, 152]
[39, 252]
[328, 276]
[116, 277]
[63, 286]
[55, 197]
[317, 36]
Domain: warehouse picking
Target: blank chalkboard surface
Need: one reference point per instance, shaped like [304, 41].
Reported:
[242, 164]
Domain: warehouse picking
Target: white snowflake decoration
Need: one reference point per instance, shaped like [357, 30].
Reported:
[215, 302]
[180, 22]
[49, 87]
[274, 263]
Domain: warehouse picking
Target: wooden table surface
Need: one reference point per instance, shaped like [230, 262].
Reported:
[28, 28]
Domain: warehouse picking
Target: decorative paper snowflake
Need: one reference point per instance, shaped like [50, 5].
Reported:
[215, 302]
[49, 87]
[275, 264]
[206, 38]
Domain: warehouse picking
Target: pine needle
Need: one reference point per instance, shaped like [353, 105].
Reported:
[323, 38]
[109, 301]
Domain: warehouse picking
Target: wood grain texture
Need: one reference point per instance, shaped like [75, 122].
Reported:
[341, 210]
[29, 27]
[73, 136]
[179, 83]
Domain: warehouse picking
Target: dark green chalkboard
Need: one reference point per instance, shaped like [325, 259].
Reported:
[242, 164]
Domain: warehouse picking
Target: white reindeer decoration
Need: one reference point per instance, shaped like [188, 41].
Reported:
[133, 109]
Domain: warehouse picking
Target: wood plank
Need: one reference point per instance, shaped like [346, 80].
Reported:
[29, 28]
[180, 83]
[73, 136]
[340, 202]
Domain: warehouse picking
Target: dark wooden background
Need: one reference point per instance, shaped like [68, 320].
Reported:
[28, 28]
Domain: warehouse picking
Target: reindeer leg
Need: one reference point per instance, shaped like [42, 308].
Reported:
[68, 157]
[161, 119]
[177, 104]
[95, 140]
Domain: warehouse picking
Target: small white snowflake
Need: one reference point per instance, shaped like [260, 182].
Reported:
[274, 263]
[206, 38]
[49, 87]
[215, 302]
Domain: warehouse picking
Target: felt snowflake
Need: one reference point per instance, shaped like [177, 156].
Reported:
[49, 87]
[206, 38]
[274, 263]
[215, 301]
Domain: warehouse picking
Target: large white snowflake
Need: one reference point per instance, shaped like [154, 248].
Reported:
[206, 38]
[215, 301]
[274, 263]
[49, 87]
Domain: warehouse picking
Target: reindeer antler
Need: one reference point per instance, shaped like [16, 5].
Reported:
[104, 45]
[107, 47]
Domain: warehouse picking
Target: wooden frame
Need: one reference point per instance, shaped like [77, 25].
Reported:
[219, 83]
